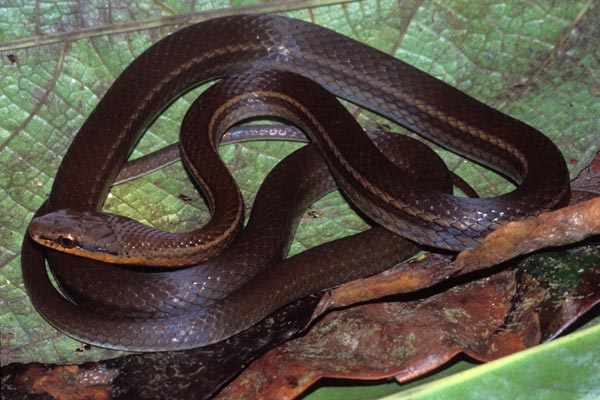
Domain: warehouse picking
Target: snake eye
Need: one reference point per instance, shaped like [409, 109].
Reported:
[68, 242]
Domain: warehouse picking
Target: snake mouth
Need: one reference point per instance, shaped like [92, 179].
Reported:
[40, 239]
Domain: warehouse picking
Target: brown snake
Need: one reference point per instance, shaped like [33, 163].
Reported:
[390, 197]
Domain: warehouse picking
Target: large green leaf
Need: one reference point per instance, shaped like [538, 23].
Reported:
[536, 61]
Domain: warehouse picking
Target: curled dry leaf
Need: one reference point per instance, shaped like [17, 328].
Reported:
[417, 273]
[400, 339]
[556, 228]
[69, 382]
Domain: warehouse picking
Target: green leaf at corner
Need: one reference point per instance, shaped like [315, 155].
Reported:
[564, 369]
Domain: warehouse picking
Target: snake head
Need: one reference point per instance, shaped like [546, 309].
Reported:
[82, 233]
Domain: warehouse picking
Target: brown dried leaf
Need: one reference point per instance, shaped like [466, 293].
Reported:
[556, 228]
[415, 274]
[401, 339]
[69, 382]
